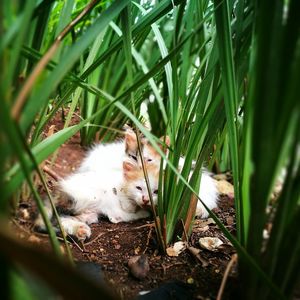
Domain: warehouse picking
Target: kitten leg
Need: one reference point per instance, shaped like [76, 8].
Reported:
[123, 216]
[87, 217]
[75, 228]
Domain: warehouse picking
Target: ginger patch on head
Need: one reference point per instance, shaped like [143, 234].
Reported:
[133, 172]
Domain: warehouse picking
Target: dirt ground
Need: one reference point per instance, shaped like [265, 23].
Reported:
[112, 245]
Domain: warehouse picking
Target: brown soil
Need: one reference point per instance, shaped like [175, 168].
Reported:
[111, 245]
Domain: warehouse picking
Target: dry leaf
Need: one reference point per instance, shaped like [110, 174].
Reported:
[202, 229]
[210, 243]
[176, 249]
[50, 130]
[137, 250]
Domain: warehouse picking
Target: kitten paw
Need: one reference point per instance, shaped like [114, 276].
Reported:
[115, 219]
[83, 232]
[201, 212]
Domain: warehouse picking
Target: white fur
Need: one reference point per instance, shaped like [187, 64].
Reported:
[108, 157]
[208, 193]
[102, 193]
[104, 157]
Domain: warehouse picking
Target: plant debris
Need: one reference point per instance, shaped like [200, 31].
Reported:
[210, 243]
[176, 249]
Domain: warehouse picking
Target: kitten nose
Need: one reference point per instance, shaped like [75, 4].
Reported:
[145, 200]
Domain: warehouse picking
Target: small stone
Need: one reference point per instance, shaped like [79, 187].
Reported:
[229, 220]
[139, 266]
[137, 250]
[190, 280]
[117, 247]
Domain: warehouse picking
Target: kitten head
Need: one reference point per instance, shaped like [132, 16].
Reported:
[151, 156]
[135, 186]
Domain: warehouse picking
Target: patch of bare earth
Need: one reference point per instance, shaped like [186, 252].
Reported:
[112, 245]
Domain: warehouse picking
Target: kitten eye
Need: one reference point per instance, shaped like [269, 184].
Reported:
[149, 160]
[139, 188]
[155, 192]
[133, 157]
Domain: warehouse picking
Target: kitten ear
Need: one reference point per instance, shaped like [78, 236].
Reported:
[166, 141]
[130, 141]
[128, 169]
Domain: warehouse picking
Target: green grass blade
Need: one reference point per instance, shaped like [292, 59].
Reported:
[42, 94]
[230, 99]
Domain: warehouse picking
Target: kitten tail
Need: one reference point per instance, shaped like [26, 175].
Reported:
[39, 224]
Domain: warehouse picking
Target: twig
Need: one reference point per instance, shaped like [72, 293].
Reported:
[76, 244]
[145, 225]
[53, 174]
[190, 214]
[148, 238]
[226, 274]
[196, 252]
[20, 227]
[166, 267]
[20, 101]
[47, 161]
[185, 239]
[96, 238]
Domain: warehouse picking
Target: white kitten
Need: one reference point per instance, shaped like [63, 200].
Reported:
[120, 196]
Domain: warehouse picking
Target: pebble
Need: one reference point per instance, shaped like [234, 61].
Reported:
[139, 266]
[190, 280]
